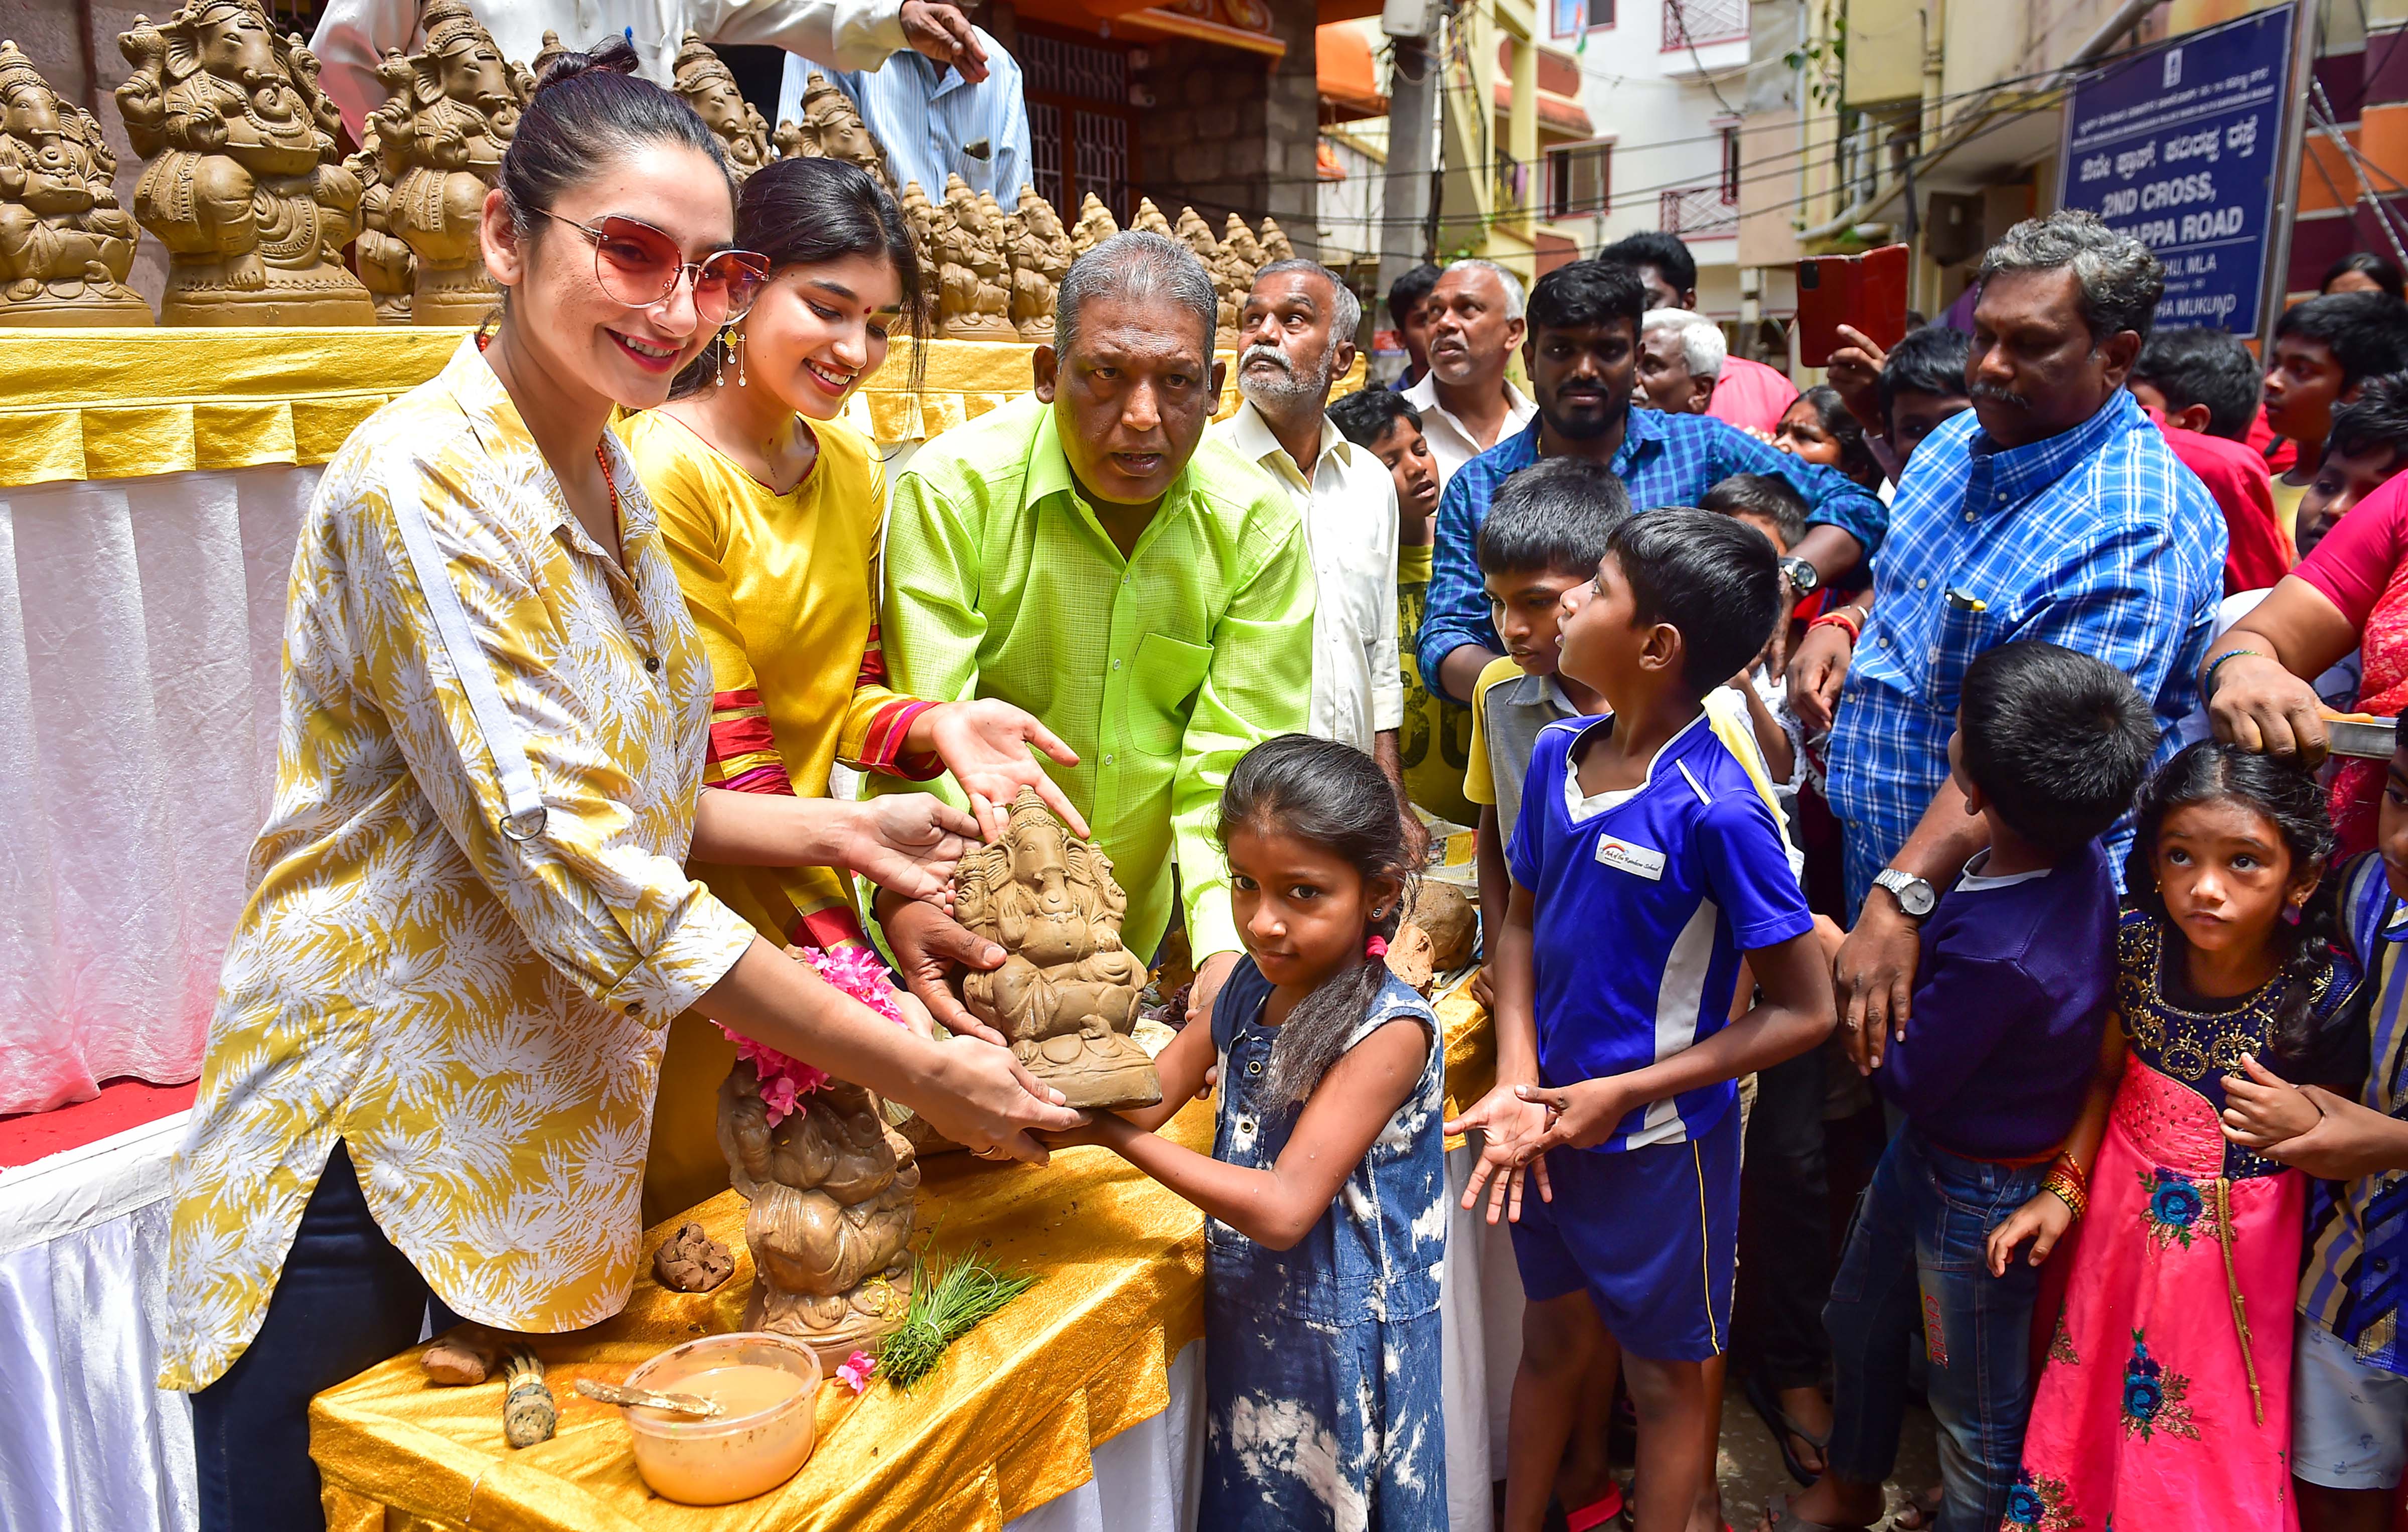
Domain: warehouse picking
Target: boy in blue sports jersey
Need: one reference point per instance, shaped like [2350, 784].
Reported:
[1643, 864]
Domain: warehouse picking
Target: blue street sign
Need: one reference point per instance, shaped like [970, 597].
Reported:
[2178, 146]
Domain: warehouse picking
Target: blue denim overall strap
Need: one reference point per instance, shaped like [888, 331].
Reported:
[1322, 1360]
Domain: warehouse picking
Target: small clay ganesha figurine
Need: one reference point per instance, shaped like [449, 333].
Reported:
[830, 1226]
[1066, 996]
[453, 112]
[973, 302]
[245, 186]
[65, 245]
[709, 87]
[1095, 225]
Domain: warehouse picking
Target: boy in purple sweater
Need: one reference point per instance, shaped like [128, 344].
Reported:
[2011, 995]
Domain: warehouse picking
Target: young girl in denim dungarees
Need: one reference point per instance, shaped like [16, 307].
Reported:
[1324, 1231]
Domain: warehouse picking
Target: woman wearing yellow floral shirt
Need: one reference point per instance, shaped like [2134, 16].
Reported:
[771, 509]
[430, 1072]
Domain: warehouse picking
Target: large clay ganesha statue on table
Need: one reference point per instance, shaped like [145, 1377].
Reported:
[709, 88]
[65, 245]
[1066, 996]
[829, 1227]
[453, 112]
[245, 185]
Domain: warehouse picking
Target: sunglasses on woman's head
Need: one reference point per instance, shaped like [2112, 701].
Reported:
[638, 265]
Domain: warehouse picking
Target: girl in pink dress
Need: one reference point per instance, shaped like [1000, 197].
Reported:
[2166, 1402]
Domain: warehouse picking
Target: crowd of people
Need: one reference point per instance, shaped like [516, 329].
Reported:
[1908, 783]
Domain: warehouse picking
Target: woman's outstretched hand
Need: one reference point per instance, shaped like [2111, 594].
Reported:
[908, 843]
[981, 1097]
[989, 748]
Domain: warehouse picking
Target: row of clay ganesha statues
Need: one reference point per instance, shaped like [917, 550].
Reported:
[245, 183]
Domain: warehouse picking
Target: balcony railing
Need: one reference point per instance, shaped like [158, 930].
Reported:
[1697, 212]
[1698, 23]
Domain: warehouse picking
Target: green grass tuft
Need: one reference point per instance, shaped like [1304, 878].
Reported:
[949, 1300]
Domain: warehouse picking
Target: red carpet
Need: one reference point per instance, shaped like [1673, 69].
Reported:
[121, 1104]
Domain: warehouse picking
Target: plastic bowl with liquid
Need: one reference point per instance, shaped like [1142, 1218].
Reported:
[767, 1385]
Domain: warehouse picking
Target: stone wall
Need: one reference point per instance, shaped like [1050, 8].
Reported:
[1232, 132]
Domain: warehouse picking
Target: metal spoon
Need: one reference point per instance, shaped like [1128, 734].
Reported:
[677, 1404]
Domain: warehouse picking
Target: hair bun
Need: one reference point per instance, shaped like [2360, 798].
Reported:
[612, 55]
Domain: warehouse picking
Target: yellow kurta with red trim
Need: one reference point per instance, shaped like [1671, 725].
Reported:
[783, 589]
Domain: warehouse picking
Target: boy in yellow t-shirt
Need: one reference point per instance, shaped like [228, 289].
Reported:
[1545, 533]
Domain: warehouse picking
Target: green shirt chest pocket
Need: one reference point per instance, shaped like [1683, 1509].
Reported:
[1162, 694]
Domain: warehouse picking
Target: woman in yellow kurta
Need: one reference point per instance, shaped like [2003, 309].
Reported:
[770, 509]
[429, 1075]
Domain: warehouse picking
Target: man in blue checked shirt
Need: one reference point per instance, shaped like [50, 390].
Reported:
[1581, 355]
[2050, 509]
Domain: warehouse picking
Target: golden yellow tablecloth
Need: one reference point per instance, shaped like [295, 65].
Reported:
[119, 404]
[1006, 1423]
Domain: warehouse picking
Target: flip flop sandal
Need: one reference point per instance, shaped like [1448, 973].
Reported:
[1767, 1408]
[1919, 1513]
[1597, 1512]
[1779, 1518]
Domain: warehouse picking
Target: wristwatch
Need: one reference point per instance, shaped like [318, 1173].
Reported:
[1804, 578]
[1913, 895]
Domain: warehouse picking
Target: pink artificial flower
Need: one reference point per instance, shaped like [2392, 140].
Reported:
[856, 1370]
[785, 1080]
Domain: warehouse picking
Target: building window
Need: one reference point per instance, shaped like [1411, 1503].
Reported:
[1081, 127]
[1579, 179]
[1573, 17]
[1730, 164]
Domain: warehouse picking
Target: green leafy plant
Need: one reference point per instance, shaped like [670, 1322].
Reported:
[1823, 61]
[950, 1299]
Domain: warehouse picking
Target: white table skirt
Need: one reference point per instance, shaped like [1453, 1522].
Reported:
[89, 1443]
[141, 631]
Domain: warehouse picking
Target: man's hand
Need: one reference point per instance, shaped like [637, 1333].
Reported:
[1509, 1128]
[980, 1097]
[1873, 977]
[2042, 1220]
[1579, 1116]
[2343, 1142]
[930, 948]
[986, 745]
[1211, 975]
[1815, 671]
[943, 34]
[908, 843]
[2262, 707]
[1855, 371]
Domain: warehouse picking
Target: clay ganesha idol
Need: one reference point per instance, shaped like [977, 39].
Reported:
[830, 1222]
[1066, 996]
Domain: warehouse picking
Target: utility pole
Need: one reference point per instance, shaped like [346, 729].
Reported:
[1412, 28]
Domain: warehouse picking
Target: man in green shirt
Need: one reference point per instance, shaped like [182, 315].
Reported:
[1088, 556]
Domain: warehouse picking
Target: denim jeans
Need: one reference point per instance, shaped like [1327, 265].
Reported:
[1914, 1262]
[345, 1300]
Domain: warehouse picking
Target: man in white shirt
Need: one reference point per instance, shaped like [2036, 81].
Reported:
[1475, 326]
[1297, 337]
[352, 34]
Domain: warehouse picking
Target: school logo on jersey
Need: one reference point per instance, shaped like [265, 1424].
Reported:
[1632, 858]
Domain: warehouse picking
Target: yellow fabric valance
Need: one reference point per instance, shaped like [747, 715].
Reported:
[121, 404]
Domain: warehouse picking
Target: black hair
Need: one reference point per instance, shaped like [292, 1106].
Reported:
[1579, 295]
[1767, 495]
[2290, 800]
[1831, 412]
[800, 211]
[1665, 252]
[2196, 365]
[1411, 290]
[2386, 275]
[588, 110]
[1557, 515]
[1366, 414]
[1335, 797]
[1714, 581]
[2366, 332]
[1931, 360]
[2378, 418]
[2058, 741]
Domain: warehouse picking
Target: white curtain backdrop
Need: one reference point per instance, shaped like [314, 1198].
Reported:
[141, 624]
